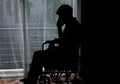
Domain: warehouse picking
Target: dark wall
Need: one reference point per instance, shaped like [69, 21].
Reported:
[92, 49]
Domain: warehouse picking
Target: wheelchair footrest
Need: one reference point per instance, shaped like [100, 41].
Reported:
[58, 76]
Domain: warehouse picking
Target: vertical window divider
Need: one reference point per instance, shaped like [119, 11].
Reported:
[24, 37]
[79, 10]
[44, 27]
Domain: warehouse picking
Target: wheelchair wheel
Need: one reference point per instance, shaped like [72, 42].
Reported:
[44, 80]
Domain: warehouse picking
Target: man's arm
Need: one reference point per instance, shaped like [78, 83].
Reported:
[59, 27]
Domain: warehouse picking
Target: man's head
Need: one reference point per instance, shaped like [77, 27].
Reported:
[65, 12]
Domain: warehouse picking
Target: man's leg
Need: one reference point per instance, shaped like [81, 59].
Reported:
[35, 67]
[45, 57]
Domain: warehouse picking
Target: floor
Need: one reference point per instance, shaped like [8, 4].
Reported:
[10, 80]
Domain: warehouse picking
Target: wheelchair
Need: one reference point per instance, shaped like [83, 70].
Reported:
[60, 74]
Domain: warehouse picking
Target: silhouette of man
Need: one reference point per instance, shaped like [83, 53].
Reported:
[68, 41]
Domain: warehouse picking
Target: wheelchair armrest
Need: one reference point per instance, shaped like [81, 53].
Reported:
[51, 43]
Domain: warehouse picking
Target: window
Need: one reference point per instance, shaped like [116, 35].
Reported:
[24, 26]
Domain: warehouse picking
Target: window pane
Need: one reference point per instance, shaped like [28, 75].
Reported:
[11, 56]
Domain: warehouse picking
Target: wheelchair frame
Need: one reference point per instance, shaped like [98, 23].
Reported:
[53, 75]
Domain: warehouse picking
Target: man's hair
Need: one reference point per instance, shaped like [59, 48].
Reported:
[65, 9]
